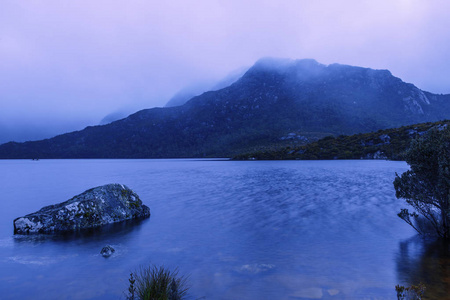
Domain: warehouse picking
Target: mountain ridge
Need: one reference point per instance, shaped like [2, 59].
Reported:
[274, 98]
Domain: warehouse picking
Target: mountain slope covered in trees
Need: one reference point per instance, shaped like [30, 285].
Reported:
[382, 144]
[276, 102]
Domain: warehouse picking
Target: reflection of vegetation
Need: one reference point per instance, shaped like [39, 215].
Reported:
[389, 143]
[426, 186]
[428, 262]
[153, 283]
[131, 288]
[414, 292]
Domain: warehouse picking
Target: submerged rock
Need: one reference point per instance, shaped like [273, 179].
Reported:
[95, 207]
[107, 251]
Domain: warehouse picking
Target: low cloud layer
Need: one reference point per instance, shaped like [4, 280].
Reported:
[67, 64]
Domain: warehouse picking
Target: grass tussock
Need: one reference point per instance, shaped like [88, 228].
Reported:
[157, 283]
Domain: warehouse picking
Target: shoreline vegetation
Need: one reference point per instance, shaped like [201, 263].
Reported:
[388, 144]
[157, 283]
[426, 186]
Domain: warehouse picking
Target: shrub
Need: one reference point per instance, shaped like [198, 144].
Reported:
[426, 186]
[414, 292]
[156, 283]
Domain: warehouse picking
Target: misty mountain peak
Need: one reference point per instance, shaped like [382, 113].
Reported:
[312, 67]
[268, 69]
[284, 64]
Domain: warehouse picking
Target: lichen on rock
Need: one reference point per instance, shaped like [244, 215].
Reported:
[99, 206]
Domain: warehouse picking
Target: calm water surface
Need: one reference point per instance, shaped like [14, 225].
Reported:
[240, 230]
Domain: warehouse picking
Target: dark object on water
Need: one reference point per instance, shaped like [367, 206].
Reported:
[99, 206]
[107, 251]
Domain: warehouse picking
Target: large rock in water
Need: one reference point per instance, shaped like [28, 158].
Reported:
[95, 207]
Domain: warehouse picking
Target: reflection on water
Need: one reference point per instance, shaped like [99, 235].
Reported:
[426, 261]
[115, 230]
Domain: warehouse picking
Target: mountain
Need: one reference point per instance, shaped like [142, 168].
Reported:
[114, 116]
[382, 144]
[185, 94]
[276, 102]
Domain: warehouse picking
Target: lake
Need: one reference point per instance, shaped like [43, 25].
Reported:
[238, 229]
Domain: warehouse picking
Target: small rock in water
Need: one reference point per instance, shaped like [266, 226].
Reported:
[107, 251]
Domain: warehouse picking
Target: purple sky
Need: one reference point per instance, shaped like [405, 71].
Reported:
[66, 64]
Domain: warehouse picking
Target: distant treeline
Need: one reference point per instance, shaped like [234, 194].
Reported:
[383, 144]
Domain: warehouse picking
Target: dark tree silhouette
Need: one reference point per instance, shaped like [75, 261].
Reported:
[426, 186]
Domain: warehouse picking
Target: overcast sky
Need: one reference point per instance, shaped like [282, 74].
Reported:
[66, 64]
